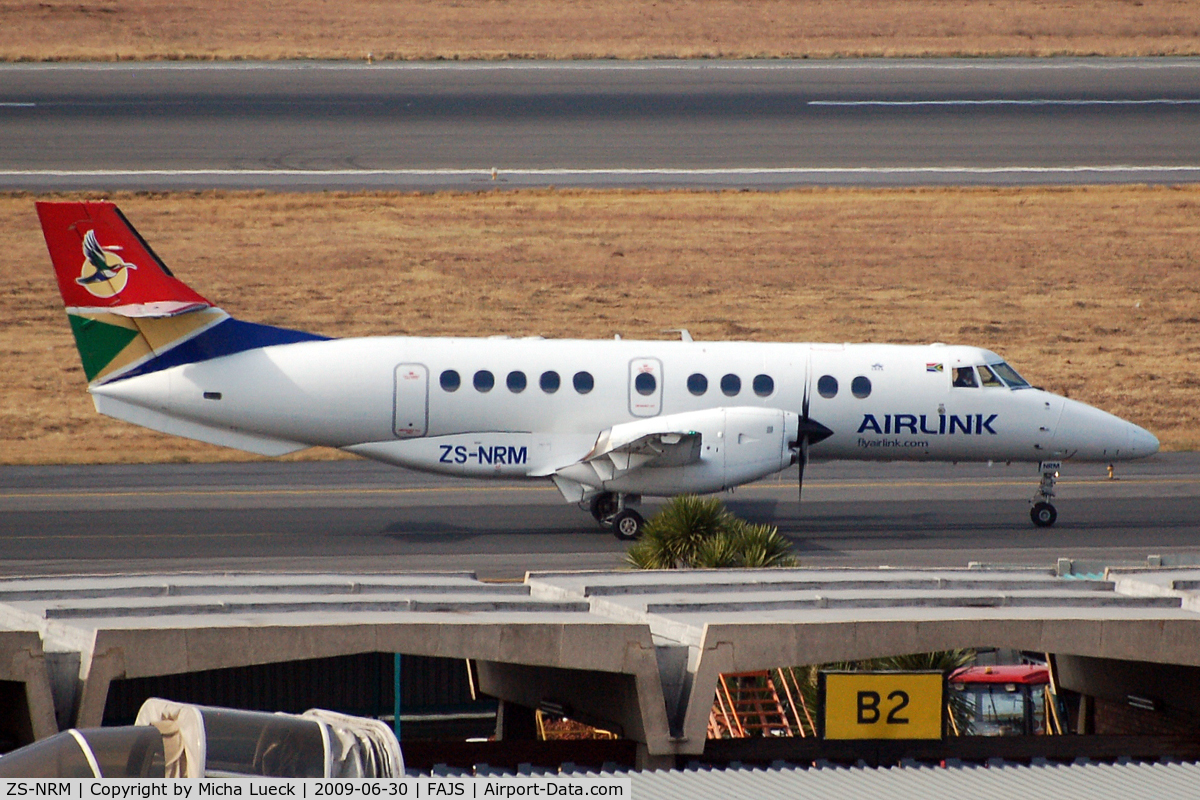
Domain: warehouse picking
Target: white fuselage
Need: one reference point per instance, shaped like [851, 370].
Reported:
[394, 399]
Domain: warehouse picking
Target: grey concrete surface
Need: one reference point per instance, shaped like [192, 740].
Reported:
[359, 516]
[770, 124]
[642, 650]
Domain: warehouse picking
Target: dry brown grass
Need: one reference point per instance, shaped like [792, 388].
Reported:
[1094, 292]
[412, 29]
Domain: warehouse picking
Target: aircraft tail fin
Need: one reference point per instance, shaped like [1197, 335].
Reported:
[103, 264]
[129, 314]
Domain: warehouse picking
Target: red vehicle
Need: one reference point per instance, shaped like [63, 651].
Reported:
[1004, 700]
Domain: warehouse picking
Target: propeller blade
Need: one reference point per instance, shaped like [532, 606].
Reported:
[803, 462]
[800, 482]
[807, 429]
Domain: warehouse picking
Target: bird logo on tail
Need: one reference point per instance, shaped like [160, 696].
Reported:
[104, 273]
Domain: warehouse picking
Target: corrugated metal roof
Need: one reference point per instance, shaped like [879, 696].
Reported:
[995, 781]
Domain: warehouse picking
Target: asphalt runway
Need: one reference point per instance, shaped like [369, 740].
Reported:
[759, 124]
[358, 516]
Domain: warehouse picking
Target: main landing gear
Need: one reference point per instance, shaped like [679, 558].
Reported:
[1043, 512]
[612, 511]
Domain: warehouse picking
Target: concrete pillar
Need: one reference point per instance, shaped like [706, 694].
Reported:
[63, 670]
[28, 704]
[102, 668]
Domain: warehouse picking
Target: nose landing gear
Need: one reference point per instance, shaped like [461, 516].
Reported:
[1043, 512]
[611, 510]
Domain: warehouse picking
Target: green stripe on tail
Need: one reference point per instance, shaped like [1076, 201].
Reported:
[98, 342]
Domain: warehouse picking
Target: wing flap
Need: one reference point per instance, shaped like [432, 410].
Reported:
[625, 448]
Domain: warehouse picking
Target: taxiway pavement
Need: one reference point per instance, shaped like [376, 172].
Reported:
[359, 516]
[760, 124]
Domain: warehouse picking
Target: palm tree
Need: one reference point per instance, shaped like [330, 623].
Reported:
[694, 532]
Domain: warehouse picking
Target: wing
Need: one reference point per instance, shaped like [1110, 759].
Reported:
[632, 446]
[616, 454]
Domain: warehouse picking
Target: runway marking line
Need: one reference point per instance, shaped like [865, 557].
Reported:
[1033, 101]
[1098, 64]
[952, 484]
[93, 536]
[569, 171]
[275, 492]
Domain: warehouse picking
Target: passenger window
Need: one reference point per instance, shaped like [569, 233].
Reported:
[988, 378]
[764, 385]
[451, 381]
[860, 387]
[645, 383]
[697, 384]
[516, 382]
[731, 385]
[827, 386]
[549, 382]
[583, 382]
[484, 380]
[964, 377]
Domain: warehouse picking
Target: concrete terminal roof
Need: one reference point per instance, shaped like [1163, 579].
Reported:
[679, 605]
[640, 649]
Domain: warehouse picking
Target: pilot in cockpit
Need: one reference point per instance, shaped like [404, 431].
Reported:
[964, 377]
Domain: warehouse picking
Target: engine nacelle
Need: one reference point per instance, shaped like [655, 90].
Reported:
[736, 445]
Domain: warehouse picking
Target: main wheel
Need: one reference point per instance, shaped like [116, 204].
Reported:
[627, 525]
[603, 506]
[1043, 515]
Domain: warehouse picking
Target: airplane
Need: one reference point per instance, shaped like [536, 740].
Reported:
[608, 421]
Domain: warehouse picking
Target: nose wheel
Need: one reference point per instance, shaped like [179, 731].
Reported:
[1043, 512]
[611, 511]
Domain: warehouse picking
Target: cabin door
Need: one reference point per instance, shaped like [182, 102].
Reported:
[411, 415]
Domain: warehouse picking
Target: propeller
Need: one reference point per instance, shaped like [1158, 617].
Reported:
[802, 433]
[808, 432]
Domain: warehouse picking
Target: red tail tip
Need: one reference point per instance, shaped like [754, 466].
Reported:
[102, 262]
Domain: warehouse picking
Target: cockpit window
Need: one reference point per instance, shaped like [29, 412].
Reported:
[988, 378]
[964, 376]
[1009, 375]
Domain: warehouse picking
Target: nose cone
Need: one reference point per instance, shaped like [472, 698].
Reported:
[1141, 442]
[1085, 433]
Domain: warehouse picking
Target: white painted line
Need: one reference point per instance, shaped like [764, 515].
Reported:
[1162, 101]
[18, 105]
[606, 65]
[633, 171]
